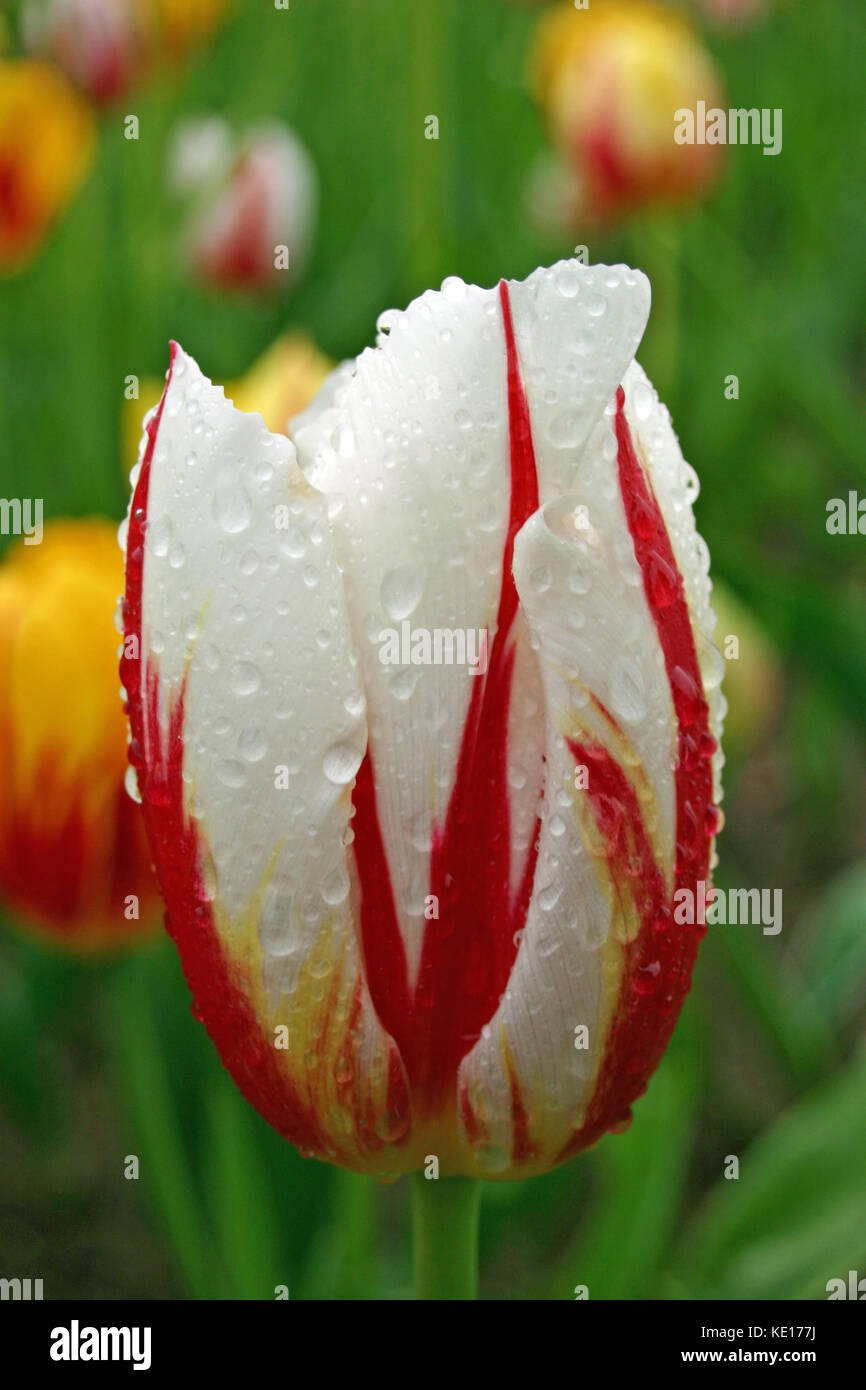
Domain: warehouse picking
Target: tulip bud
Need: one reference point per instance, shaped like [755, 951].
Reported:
[255, 208]
[99, 44]
[609, 80]
[74, 862]
[428, 714]
[46, 147]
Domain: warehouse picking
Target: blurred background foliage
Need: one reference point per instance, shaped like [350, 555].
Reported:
[765, 278]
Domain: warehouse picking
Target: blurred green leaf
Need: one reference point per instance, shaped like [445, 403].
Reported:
[640, 1177]
[796, 1215]
[831, 945]
[783, 1006]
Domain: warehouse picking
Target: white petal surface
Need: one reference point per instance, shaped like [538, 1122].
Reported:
[413, 449]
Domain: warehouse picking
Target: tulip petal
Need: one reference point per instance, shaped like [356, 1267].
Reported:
[428, 452]
[613, 580]
[248, 727]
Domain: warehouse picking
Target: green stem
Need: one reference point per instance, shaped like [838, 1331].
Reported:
[445, 1230]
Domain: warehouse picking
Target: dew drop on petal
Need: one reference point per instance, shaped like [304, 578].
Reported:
[341, 762]
[401, 592]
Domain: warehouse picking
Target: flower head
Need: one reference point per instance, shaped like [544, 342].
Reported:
[74, 861]
[253, 202]
[609, 80]
[428, 714]
[46, 147]
[101, 45]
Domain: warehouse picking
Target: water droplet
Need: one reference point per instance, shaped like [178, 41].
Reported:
[642, 400]
[208, 878]
[662, 581]
[647, 979]
[245, 678]
[541, 579]
[627, 691]
[688, 700]
[253, 743]
[159, 535]
[645, 519]
[230, 773]
[344, 1071]
[549, 896]
[341, 762]
[294, 543]
[231, 505]
[421, 832]
[566, 429]
[335, 888]
[130, 781]
[401, 592]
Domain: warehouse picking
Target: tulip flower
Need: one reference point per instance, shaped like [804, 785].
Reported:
[46, 148]
[100, 44]
[609, 80]
[254, 208]
[74, 862]
[424, 900]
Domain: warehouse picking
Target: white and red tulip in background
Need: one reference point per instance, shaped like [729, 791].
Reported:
[450, 895]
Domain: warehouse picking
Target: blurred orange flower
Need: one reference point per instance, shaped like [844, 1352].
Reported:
[280, 384]
[609, 80]
[74, 862]
[184, 24]
[46, 148]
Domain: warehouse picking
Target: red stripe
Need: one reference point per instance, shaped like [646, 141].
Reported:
[468, 953]
[658, 964]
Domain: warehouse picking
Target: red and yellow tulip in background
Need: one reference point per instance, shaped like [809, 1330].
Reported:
[609, 80]
[46, 149]
[74, 861]
[425, 903]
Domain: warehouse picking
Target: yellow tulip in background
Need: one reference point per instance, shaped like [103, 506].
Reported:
[46, 148]
[74, 861]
